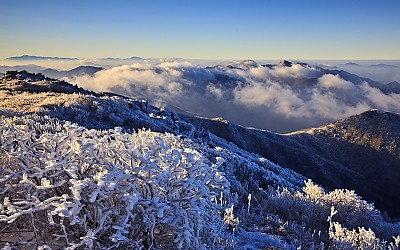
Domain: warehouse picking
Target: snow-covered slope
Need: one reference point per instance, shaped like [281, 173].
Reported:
[368, 144]
[80, 169]
[359, 153]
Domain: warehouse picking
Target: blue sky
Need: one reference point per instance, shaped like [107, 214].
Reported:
[219, 29]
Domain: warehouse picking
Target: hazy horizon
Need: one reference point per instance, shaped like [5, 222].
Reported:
[129, 56]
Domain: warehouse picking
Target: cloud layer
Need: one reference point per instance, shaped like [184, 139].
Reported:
[277, 98]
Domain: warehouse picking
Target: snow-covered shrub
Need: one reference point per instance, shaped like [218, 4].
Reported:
[312, 206]
[37, 123]
[362, 239]
[99, 189]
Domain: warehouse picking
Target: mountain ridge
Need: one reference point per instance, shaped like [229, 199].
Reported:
[118, 59]
[78, 71]
[33, 58]
[54, 73]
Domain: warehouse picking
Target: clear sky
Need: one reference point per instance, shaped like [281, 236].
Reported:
[209, 29]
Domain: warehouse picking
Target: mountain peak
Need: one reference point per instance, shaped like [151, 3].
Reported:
[249, 63]
[374, 116]
[394, 84]
[374, 128]
[392, 87]
[351, 64]
[285, 63]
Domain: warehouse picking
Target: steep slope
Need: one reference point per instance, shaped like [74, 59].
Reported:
[368, 144]
[374, 129]
[359, 153]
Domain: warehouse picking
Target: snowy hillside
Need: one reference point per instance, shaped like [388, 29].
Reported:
[90, 170]
[358, 153]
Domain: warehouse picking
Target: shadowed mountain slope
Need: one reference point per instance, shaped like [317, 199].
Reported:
[360, 153]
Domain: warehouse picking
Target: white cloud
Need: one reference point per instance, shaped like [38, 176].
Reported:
[253, 96]
[330, 81]
[295, 71]
[140, 80]
[379, 100]
[329, 106]
[270, 95]
[215, 91]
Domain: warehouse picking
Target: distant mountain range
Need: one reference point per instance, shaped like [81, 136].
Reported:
[117, 59]
[38, 58]
[303, 83]
[382, 72]
[55, 58]
[379, 65]
[79, 71]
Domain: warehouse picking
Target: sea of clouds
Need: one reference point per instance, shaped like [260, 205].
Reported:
[278, 98]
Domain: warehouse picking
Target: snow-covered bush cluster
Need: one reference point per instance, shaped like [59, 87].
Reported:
[302, 216]
[343, 238]
[99, 189]
[66, 185]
